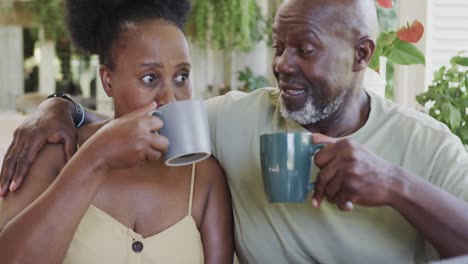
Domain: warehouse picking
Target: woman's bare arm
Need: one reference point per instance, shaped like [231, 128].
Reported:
[43, 216]
[33, 228]
[217, 224]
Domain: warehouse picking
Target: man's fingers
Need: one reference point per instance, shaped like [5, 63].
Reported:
[332, 189]
[320, 138]
[9, 167]
[326, 155]
[25, 160]
[22, 166]
[4, 176]
[323, 178]
[344, 201]
[346, 206]
[69, 145]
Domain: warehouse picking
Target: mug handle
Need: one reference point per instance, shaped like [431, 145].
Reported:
[156, 113]
[313, 149]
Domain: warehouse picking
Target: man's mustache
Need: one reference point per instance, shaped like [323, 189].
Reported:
[292, 80]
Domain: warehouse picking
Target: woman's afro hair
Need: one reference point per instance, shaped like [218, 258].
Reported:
[95, 24]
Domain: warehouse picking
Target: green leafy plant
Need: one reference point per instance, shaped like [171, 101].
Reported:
[226, 24]
[449, 97]
[397, 46]
[251, 82]
[49, 14]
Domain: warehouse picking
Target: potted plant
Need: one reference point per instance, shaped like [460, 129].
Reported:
[447, 97]
[251, 82]
[398, 46]
[226, 25]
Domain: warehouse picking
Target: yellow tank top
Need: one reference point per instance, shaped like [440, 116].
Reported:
[102, 239]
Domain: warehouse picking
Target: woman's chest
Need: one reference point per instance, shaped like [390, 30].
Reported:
[145, 201]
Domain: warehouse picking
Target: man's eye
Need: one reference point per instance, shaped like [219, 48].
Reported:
[278, 50]
[305, 51]
[149, 78]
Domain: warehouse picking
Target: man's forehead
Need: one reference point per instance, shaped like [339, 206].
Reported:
[308, 9]
[296, 14]
[329, 15]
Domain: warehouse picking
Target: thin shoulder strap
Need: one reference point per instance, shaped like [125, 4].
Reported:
[191, 190]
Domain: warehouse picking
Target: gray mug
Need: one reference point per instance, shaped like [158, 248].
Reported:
[186, 128]
[286, 166]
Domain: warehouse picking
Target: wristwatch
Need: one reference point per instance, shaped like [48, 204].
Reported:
[79, 116]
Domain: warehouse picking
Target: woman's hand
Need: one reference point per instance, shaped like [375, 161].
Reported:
[127, 141]
[51, 123]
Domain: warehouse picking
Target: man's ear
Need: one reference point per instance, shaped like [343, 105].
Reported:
[106, 79]
[363, 54]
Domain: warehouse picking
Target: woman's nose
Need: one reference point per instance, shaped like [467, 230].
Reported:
[166, 96]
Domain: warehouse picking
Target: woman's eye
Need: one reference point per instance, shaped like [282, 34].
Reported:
[182, 78]
[149, 79]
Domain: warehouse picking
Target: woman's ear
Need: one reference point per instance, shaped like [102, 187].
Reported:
[106, 79]
[363, 54]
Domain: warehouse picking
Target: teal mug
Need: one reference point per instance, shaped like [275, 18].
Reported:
[286, 160]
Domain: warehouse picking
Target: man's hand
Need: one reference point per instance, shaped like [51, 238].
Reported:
[350, 173]
[51, 123]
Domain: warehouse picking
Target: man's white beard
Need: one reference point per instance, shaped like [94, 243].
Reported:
[310, 113]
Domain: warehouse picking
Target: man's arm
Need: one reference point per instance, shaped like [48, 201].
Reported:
[351, 173]
[438, 215]
[52, 123]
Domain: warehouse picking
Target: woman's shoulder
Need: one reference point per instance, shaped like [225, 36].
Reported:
[209, 169]
[210, 177]
[211, 189]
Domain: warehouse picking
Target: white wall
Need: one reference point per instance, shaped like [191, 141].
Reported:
[449, 34]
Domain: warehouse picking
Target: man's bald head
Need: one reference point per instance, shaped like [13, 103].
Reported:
[356, 17]
[322, 48]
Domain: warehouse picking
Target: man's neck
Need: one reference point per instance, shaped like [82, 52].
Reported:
[349, 118]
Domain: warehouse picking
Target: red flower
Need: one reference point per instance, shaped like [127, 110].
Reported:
[411, 33]
[385, 3]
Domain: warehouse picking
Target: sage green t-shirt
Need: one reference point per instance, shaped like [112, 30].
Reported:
[298, 233]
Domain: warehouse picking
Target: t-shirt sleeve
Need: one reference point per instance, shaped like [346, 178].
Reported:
[213, 108]
[451, 168]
